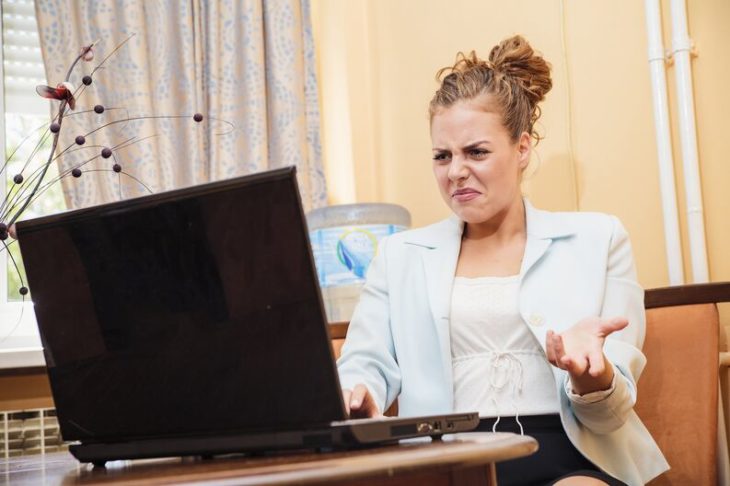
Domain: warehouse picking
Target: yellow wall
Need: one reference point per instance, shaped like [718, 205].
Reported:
[377, 60]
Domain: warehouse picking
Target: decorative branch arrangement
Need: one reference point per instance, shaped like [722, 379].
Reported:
[31, 182]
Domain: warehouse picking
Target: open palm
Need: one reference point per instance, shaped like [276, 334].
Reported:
[579, 351]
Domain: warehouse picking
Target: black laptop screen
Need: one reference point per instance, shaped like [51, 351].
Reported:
[191, 312]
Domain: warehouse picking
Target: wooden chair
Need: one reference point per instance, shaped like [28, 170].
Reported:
[338, 331]
[678, 390]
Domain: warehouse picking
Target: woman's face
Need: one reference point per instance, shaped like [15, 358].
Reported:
[477, 166]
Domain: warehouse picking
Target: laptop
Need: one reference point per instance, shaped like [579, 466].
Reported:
[191, 322]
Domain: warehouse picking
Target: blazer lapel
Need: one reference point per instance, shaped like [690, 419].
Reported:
[542, 228]
[535, 248]
[440, 247]
[439, 265]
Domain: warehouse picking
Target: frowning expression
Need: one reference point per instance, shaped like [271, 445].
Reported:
[478, 167]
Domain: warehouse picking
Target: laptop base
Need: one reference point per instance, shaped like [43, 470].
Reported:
[337, 435]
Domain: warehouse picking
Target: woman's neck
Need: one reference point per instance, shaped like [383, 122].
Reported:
[494, 248]
[502, 228]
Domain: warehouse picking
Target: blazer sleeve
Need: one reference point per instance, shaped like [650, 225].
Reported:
[623, 297]
[368, 354]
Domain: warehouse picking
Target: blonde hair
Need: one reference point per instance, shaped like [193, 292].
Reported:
[515, 77]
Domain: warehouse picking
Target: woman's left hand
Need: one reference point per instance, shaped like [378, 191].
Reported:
[579, 351]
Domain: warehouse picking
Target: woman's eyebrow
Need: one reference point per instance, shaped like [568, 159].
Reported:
[476, 144]
[468, 147]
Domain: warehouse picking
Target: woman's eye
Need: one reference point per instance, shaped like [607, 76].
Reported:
[479, 153]
[441, 156]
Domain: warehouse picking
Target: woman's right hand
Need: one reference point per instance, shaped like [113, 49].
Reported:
[359, 403]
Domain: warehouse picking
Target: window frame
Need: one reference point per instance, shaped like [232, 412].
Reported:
[20, 344]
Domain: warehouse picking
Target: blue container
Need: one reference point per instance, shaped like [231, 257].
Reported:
[345, 238]
[344, 241]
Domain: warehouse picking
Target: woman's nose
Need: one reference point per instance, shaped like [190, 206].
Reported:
[457, 169]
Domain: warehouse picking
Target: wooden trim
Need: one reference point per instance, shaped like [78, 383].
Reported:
[338, 330]
[30, 370]
[708, 293]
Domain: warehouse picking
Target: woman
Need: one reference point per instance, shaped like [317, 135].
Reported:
[535, 319]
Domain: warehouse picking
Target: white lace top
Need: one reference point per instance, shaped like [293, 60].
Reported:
[499, 367]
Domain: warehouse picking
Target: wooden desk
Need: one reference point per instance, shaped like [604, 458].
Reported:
[460, 459]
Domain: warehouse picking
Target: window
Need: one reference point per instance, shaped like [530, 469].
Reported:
[24, 114]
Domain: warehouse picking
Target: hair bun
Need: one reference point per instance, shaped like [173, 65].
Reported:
[514, 78]
[515, 59]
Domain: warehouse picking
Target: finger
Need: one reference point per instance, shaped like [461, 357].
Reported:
[596, 363]
[550, 348]
[614, 324]
[559, 350]
[346, 400]
[362, 403]
[567, 364]
[369, 408]
[575, 366]
[357, 397]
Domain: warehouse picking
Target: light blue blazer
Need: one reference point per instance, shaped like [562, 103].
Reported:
[575, 265]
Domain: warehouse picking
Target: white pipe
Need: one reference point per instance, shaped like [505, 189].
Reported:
[664, 142]
[681, 46]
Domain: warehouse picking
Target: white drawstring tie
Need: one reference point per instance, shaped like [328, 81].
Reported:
[502, 368]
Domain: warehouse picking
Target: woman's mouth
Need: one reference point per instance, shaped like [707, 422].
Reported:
[463, 195]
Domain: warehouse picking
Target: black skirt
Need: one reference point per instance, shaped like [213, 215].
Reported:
[556, 458]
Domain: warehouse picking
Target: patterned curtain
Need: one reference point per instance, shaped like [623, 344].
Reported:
[246, 65]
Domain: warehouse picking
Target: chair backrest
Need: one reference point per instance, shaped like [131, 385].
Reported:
[678, 390]
[338, 332]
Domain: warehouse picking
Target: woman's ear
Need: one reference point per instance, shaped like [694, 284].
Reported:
[524, 148]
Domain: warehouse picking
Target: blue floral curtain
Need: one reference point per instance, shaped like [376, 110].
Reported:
[246, 65]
